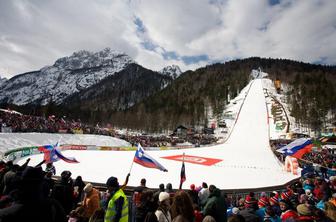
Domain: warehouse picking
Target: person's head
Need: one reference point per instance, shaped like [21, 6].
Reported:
[284, 205]
[263, 202]
[164, 199]
[65, 175]
[204, 185]
[212, 188]
[88, 188]
[182, 205]
[143, 182]
[49, 164]
[112, 184]
[273, 201]
[169, 187]
[208, 218]
[304, 210]
[161, 187]
[192, 187]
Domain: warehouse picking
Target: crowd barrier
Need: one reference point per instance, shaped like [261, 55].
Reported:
[18, 153]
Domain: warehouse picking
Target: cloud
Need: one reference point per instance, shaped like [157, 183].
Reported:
[157, 33]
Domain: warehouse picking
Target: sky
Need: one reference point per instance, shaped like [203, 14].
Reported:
[157, 33]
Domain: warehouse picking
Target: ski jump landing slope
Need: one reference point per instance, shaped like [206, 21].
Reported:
[243, 161]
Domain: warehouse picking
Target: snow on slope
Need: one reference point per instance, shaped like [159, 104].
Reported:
[10, 141]
[68, 75]
[246, 160]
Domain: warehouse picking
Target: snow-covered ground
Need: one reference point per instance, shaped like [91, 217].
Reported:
[245, 159]
[10, 141]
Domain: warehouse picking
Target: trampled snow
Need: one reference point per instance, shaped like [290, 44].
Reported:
[246, 160]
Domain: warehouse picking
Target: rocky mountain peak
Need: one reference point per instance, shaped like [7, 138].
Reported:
[173, 71]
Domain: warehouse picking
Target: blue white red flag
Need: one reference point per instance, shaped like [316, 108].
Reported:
[145, 160]
[53, 154]
[297, 148]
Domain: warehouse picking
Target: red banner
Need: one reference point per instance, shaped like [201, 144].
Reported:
[194, 159]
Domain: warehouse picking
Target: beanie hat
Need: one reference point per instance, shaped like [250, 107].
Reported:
[163, 196]
[88, 188]
[112, 182]
[273, 200]
[304, 210]
[286, 195]
[250, 202]
[263, 202]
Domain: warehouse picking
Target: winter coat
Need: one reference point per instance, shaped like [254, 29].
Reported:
[249, 215]
[91, 203]
[163, 216]
[216, 206]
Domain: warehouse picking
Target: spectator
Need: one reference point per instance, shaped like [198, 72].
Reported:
[91, 201]
[287, 210]
[193, 194]
[63, 191]
[117, 208]
[215, 206]
[182, 209]
[203, 194]
[50, 168]
[162, 213]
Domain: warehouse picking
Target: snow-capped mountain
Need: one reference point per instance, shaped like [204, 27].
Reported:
[67, 76]
[173, 71]
[2, 81]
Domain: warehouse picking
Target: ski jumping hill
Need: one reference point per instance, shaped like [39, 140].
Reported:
[245, 160]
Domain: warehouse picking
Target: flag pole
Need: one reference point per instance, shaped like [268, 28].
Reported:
[132, 161]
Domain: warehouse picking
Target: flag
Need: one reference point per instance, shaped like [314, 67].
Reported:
[145, 160]
[297, 148]
[183, 175]
[53, 154]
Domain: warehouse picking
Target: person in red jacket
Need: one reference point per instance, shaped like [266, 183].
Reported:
[287, 210]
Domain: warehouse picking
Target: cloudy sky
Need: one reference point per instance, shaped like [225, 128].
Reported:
[156, 33]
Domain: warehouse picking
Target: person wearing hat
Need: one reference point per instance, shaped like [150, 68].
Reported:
[162, 213]
[117, 207]
[287, 210]
[305, 212]
[193, 193]
[91, 201]
[262, 204]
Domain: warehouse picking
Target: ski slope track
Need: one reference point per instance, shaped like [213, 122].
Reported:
[245, 159]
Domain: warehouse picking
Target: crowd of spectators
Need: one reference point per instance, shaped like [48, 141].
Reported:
[26, 123]
[30, 193]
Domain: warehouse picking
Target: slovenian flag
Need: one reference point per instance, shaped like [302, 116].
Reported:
[145, 160]
[297, 148]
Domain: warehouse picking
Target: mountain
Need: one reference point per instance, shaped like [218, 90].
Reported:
[308, 90]
[2, 81]
[173, 71]
[116, 92]
[67, 76]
